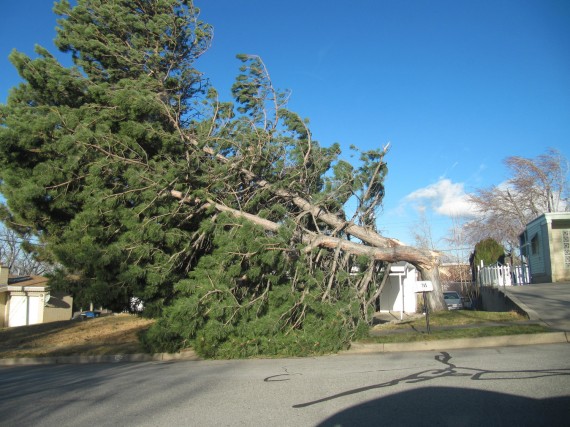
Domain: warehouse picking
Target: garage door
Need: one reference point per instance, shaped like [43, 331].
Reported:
[24, 310]
[18, 310]
[34, 310]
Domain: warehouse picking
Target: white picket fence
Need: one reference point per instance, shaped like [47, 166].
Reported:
[503, 275]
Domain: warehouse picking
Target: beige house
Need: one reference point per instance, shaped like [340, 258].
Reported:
[27, 300]
[545, 243]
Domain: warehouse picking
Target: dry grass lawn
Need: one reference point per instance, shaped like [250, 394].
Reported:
[116, 334]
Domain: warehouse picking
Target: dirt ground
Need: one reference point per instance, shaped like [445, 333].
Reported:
[114, 334]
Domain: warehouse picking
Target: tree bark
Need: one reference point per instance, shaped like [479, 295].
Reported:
[435, 299]
[423, 259]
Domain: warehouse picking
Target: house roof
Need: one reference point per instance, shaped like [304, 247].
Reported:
[559, 218]
[551, 216]
[25, 283]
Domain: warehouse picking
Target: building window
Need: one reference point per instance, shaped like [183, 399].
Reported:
[534, 245]
[566, 246]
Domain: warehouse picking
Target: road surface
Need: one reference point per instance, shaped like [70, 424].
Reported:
[509, 386]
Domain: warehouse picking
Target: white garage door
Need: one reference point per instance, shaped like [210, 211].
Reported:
[24, 310]
[34, 313]
[18, 310]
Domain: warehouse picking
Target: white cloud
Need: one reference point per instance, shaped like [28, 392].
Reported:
[444, 197]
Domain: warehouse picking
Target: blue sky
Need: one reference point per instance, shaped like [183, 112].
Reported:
[454, 86]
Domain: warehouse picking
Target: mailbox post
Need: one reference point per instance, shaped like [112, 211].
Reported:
[425, 286]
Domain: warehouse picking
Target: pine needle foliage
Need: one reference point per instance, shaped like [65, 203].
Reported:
[488, 251]
[246, 298]
[226, 219]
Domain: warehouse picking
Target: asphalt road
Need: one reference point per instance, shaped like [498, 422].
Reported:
[508, 386]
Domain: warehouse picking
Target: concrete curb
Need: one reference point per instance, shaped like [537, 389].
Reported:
[500, 341]
[355, 348]
[107, 358]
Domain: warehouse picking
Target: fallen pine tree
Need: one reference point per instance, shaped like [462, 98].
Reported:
[227, 219]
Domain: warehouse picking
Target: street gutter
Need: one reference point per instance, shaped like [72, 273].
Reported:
[459, 343]
[106, 358]
[355, 348]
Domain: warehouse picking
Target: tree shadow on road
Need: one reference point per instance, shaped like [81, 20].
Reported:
[448, 406]
[450, 370]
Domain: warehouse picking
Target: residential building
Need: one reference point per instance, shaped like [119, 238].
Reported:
[27, 300]
[545, 244]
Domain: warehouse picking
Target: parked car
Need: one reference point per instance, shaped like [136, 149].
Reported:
[453, 300]
[89, 314]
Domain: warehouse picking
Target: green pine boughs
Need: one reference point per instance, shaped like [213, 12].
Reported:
[227, 220]
[247, 298]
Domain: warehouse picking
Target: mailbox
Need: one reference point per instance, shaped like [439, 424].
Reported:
[424, 286]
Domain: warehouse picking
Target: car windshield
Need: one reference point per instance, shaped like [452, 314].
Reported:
[451, 295]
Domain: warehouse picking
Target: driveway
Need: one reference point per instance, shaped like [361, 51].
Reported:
[548, 302]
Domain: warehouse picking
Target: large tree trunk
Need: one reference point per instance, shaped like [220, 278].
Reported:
[385, 250]
[381, 249]
[436, 301]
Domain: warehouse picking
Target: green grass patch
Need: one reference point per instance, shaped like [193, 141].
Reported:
[471, 332]
[466, 317]
[455, 324]
[455, 318]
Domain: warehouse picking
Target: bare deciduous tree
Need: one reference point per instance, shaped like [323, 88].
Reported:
[421, 232]
[17, 253]
[537, 186]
